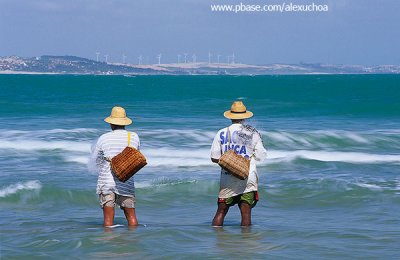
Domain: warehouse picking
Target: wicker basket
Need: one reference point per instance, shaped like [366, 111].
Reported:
[235, 164]
[127, 163]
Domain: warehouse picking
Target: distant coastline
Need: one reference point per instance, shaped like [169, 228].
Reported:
[77, 65]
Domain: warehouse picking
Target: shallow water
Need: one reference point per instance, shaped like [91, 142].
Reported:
[329, 189]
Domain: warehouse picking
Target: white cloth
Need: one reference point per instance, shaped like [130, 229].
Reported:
[108, 145]
[247, 142]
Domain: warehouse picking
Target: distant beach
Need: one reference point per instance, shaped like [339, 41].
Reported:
[78, 65]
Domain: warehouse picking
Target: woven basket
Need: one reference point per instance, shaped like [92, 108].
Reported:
[127, 163]
[237, 165]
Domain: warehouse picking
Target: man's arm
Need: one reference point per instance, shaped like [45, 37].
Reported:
[215, 149]
[260, 153]
[95, 157]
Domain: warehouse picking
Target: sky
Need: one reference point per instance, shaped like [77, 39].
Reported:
[350, 32]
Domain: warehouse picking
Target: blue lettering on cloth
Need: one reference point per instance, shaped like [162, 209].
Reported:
[239, 149]
[223, 139]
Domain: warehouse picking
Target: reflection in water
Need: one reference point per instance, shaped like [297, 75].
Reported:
[243, 241]
[233, 242]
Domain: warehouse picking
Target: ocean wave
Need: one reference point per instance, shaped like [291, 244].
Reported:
[329, 190]
[79, 152]
[44, 132]
[37, 145]
[195, 135]
[201, 157]
[370, 186]
[308, 139]
[49, 134]
[15, 188]
[85, 159]
[174, 157]
[332, 139]
[334, 156]
[83, 138]
[162, 181]
[167, 147]
[162, 157]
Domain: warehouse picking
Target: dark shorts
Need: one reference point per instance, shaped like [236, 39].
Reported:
[250, 198]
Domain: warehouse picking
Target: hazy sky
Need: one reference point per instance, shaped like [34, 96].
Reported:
[351, 32]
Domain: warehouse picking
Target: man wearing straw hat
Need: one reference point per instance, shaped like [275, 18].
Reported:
[246, 142]
[112, 191]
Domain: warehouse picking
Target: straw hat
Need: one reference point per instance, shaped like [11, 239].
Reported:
[118, 117]
[238, 111]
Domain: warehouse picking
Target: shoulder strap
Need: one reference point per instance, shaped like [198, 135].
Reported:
[129, 138]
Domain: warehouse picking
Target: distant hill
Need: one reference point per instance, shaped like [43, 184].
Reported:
[78, 65]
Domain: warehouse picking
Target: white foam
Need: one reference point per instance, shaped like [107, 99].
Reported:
[356, 137]
[161, 182]
[201, 157]
[177, 157]
[197, 136]
[159, 150]
[45, 132]
[311, 140]
[369, 186]
[115, 226]
[143, 184]
[14, 188]
[316, 138]
[280, 137]
[78, 159]
[37, 145]
[325, 156]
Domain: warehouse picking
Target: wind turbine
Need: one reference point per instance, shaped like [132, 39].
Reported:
[194, 58]
[218, 56]
[179, 58]
[140, 59]
[97, 56]
[123, 58]
[233, 58]
[209, 57]
[159, 59]
[185, 54]
[106, 57]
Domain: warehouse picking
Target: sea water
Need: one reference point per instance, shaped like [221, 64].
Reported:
[330, 187]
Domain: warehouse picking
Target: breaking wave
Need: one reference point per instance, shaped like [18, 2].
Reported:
[18, 187]
[191, 148]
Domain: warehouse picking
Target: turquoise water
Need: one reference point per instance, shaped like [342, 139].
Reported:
[329, 189]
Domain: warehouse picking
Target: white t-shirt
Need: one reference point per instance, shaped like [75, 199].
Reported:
[107, 146]
[247, 142]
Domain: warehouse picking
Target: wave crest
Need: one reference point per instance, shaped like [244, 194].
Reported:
[15, 188]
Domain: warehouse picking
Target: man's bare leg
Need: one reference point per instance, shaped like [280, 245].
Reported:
[219, 217]
[130, 215]
[108, 213]
[245, 211]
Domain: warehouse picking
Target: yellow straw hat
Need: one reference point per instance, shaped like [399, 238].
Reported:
[118, 117]
[238, 111]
